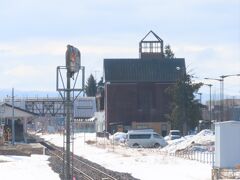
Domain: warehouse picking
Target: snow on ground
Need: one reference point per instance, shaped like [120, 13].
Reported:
[142, 163]
[26, 168]
[202, 141]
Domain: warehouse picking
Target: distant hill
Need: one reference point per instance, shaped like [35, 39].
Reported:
[4, 93]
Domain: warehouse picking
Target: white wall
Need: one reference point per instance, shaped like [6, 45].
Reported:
[100, 121]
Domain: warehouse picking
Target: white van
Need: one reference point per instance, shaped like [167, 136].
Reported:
[144, 139]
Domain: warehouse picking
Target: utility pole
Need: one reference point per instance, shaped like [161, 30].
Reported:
[13, 121]
[210, 101]
[68, 133]
[210, 110]
[73, 65]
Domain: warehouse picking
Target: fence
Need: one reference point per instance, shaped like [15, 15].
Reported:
[218, 173]
[203, 157]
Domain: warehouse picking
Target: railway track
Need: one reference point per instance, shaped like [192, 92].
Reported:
[82, 168]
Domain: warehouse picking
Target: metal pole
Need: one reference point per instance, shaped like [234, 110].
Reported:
[222, 98]
[210, 86]
[68, 104]
[13, 125]
[83, 79]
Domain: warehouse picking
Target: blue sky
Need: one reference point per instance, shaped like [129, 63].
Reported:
[34, 35]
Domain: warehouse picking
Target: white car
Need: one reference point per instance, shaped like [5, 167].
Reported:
[119, 137]
[174, 134]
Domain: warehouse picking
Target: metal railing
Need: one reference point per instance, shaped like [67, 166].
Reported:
[203, 157]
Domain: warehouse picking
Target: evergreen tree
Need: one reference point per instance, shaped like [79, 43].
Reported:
[186, 110]
[91, 86]
[168, 53]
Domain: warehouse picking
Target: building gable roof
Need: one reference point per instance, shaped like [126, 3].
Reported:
[144, 70]
[18, 112]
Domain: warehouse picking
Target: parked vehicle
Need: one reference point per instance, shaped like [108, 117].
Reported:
[174, 134]
[119, 137]
[144, 139]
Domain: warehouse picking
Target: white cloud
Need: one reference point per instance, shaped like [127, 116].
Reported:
[23, 71]
[58, 48]
[36, 59]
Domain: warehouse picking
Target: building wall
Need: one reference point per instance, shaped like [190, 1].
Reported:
[135, 102]
[162, 128]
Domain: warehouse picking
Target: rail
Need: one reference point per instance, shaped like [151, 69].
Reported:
[75, 169]
[91, 170]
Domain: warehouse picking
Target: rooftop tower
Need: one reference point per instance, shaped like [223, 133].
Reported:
[151, 47]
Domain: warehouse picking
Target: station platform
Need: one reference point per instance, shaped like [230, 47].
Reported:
[21, 149]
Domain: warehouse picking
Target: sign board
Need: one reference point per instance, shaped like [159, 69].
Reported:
[73, 59]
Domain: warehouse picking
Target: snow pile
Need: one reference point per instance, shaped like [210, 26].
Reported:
[28, 168]
[119, 137]
[199, 142]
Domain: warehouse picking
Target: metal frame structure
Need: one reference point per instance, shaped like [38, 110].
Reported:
[45, 106]
[62, 89]
[67, 92]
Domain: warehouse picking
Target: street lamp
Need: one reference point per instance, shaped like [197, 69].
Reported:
[220, 95]
[222, 77]
[225, 76]
[221, 80]
[210, 101]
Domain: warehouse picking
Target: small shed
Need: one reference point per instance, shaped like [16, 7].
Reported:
[227, 144]
[21, 117]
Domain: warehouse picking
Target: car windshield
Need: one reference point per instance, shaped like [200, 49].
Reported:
[175, 133]
[156, 136]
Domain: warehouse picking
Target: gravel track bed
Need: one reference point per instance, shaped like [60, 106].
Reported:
[57, 166]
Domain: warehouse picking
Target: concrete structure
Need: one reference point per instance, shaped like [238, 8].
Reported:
[227, 144]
